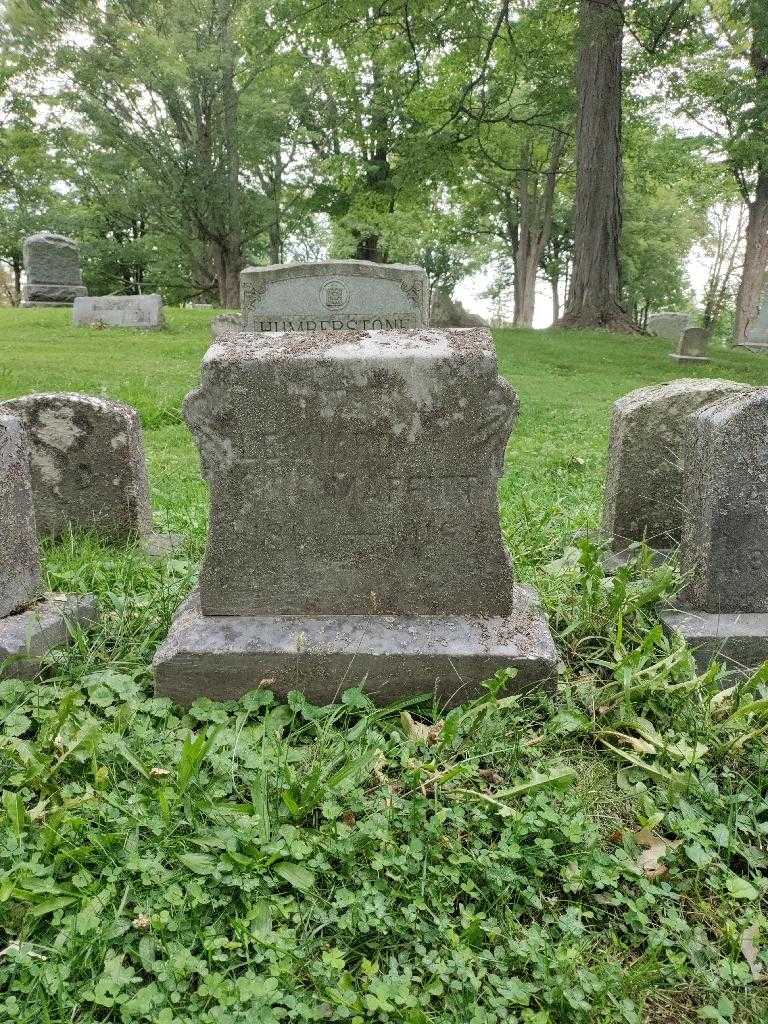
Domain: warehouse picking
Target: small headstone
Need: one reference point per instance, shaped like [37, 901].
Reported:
[354, 529]
[644, 479]
[20, 578]
[449, 312]
[723, 610]
[693, 346]
[198, 305]
[757, 332]
[30, 623]
[337, 295]
[144, 312]
[226, 323]
[52, 269]
[667, 325]
[88, 465]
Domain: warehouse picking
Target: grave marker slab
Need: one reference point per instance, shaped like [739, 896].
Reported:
[644, 480]
[723, 610]
[143, 312]
[354, 523]
[757, 332]
[693, 346]
[52, 269]
[667, 325]
[20, 578]
[30, 623]
[88, 465]
[335, 295]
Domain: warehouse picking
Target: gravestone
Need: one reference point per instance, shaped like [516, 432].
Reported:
[354, 529]
[19, 549]
[198, 305]
[337, 295]
[644, 479]
[449, 312]
[723, 610]
[693, 346]
[30, 623]
[225, 323]
[52, 269]
[667, 325]
[144, 312]
[757, 332]
[88, 468]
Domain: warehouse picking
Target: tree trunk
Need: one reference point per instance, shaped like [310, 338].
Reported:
[555, 282]
[17, 268]
[755, 262]
[594, 299]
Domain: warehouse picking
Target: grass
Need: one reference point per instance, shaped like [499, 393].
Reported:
[598, 855]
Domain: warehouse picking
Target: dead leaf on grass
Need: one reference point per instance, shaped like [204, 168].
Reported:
[654, 849]
[428, 734]
[751, 952]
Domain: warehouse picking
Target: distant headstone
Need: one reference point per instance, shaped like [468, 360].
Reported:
[644, 479]
[144, 312]
[52, 269]
[448, 312]
[198, 305]
[354, 530]
[338, 295]
[20, 579]
[30, 623]
[88, 464]
[667, 325]
[693, 346]
[723, 610]
[226, 323]
[757, 332]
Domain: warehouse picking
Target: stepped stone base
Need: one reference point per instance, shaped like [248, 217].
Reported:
[689, 359]
[29, 635]
[738, 639]
[389, 656]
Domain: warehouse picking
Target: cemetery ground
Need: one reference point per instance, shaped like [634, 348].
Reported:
[597, 854]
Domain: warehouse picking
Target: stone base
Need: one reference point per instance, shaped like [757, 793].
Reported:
[738, 639]
[45, 305]
[388, 656]
[689, 359]
[29, 635]
[753, 346]
[162, 545]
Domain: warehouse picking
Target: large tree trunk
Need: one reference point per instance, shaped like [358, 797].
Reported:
[756, 243]
[594, 299]
[17, 268]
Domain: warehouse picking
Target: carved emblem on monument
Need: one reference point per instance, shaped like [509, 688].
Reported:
[334, 295]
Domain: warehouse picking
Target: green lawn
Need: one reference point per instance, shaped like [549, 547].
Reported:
[265, 862]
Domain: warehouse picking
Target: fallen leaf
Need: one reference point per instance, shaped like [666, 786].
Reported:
[159, 773]
[654, 849]
[750, 950]
[141, 922]
[428, 734]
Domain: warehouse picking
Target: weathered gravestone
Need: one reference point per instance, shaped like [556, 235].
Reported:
[644, 480]
[723, 610]
[449, 312]
[693, 346]
[52, 269]
[667, 325]
[337, 295]
[30, 624]
[757, 332]
[354, 531]
[88, 467]
[144, 312]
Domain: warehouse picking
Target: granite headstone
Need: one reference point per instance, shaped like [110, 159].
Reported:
[144, 312]
[354, 530]
[757, 332]
[693, 346]
[20, 579]
[723, 608]
[88, 464]
[644, 480]
[52, 270]
[335, 295]
[667, 325]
